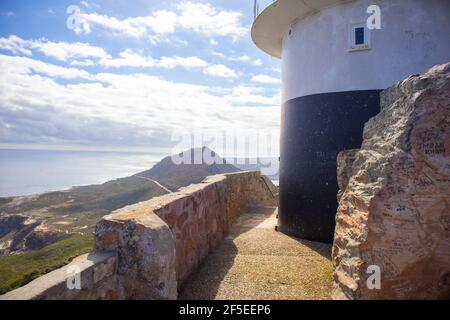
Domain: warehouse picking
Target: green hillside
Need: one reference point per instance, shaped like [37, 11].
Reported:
[18, 270]
[69, 217]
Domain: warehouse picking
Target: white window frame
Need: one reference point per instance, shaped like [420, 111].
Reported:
[367, 45]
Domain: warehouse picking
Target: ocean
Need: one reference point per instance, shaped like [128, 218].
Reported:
[27, 172]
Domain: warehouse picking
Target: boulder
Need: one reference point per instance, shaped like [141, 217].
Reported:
[394, 213]
[41, 237]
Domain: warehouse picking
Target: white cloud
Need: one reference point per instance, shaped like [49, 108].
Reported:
[197, 17]
[276, 69]
[15, 45]
[115, 109]
[84, 55]
[113, 24]
[22, 65]
[244, 94]
[246, 58]
[220, 70]
[241, 58]
[159, 22]
[82, 63]
[173, 41]
[205, 19]
[262, 78]
[185, 62]
[130, 58]
[62, 51]
[219, 54]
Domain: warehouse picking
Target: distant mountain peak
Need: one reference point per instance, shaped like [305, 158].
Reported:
[187, 167]
[203, 155]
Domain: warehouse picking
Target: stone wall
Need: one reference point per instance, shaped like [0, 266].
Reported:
[97, 272]
[394, 212]
[200, 215]
[247, 191]
[145, 251]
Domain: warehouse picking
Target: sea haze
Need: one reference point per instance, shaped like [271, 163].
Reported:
[26, 172]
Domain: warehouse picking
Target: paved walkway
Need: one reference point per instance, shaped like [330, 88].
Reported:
[256, 262]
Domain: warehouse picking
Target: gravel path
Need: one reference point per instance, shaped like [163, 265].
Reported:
[256, 262]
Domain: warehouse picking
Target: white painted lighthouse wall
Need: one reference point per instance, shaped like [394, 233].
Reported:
[415, 35]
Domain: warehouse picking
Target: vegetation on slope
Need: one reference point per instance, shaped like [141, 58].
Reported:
[75, 212]
[18, 270]
[99, 199]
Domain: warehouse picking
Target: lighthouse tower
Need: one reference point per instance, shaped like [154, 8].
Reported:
[333, 69]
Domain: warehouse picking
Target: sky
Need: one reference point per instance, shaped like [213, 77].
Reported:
[132, 75]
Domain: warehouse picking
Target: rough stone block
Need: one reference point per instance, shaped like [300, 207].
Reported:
[395, 212]
[145, 247]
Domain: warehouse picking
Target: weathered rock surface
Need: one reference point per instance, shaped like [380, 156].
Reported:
[42, 236]
[21, 233]
[394, 213]
[146, 251]
[14, 228]
[345, 161]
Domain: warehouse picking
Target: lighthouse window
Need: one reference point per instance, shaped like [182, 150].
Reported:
[359, 36]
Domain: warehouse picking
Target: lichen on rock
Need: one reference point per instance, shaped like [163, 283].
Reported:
[394, 213]
[146, 267]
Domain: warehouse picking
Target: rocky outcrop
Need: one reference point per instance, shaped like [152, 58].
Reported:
[42, 236]
[21, 233]
[13, 229]
[394, 214]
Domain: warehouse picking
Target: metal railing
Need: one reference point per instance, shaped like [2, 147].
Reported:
[255, 9]
[256, 6]
[274, 194]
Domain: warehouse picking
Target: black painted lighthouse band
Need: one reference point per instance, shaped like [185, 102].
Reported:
[315, 129]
